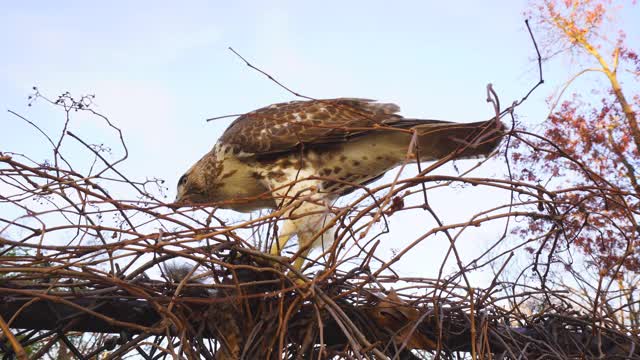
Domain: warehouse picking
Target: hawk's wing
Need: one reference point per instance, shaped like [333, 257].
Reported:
[282, 127]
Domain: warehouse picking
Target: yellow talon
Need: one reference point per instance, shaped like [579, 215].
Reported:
[280, 244]
[299, 262]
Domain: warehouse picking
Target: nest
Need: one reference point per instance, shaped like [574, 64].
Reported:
[254, 310]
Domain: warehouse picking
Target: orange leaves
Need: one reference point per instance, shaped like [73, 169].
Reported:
[573, 21]
[578, 16]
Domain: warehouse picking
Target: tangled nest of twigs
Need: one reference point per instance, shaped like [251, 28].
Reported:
[255, 311]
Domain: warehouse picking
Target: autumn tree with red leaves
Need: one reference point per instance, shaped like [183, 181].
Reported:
[588, 149]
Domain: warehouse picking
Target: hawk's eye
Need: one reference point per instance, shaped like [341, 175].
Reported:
[182, 180]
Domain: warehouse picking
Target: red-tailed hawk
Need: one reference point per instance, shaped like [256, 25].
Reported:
[301, 155]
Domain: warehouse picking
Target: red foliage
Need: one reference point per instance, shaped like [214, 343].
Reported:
[588, 152]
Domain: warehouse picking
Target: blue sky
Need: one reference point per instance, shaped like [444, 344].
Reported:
[160, 68]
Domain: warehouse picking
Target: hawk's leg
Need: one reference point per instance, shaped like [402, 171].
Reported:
[306, 220]
[307, 214]
[288, 230]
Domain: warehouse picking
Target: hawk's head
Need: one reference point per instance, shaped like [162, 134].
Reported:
[199, 184]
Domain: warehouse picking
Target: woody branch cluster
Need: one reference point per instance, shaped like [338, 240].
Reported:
[77, 257]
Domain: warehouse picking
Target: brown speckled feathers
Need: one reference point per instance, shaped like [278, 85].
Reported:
[281, 127]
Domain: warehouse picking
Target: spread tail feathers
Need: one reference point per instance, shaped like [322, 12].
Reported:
[437, 139]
